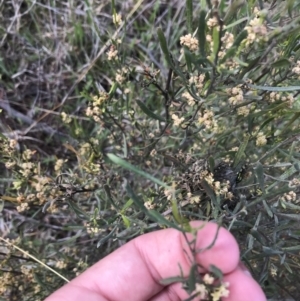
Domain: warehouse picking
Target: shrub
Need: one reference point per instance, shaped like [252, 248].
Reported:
[124, 124]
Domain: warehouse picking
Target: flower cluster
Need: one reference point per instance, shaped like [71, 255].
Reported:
[193, 199]
[189, 98]
[81, 266]
[256, 30]
[65, 117]
[121, 75]
[117, 19]
[10, 164]
[13, 143]
[22, 207]
[290, 197]
[190, 42]
[92, 229]
[198, 81]
[244, 111]
[207, 176]
[273, 270]
[169, 193]
[221, 188]
[294, 182]
[287, 97]
[26, 169]
[261, 139]
[177, 121]
[60, 264]
[207, 119]
[236, 98]
[27, 154]
[59, 164]
[296, 69]
[212, 22]
[236, 95]
[216, 292]
[95, 109]
[149, 205]
[227, 41]
[112, 53]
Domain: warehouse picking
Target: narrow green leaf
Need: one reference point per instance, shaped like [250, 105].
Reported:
[1, 204]
[268, 209]
[257, 236]
[196, 97]
[161, 220]
[202, 33]
[288, 267]
[171, 280]
[240, 37]
[240, 62]
[112, 90]
[289, 7]
[241, 152]
[176, 212]
[113, 6]
[251, 65]
[216, 41]
[257, 221]
[290, 205]
[188, 59]
[136, 199]
[107, 237]
[164, 47]
[147, 111]
[270, 251]
[192, 278]
[178, 218]
[236, 22]
[266, 123]
[210, 193]
[250, 242]
[283, 62]
[232, 10]
[108, 194]
[289, 249]
[294, 217]
[216, 272]
[127, 205]
[115, 159]
[125, 150]
[126, 220]
[259, 172]
[211, 163]
[189, 15]
[275, 89]
[81, 214]
[289, 172]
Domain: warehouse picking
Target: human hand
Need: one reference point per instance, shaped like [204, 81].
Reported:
[134, 271]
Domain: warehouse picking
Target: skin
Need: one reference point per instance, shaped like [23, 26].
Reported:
[133, 272]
